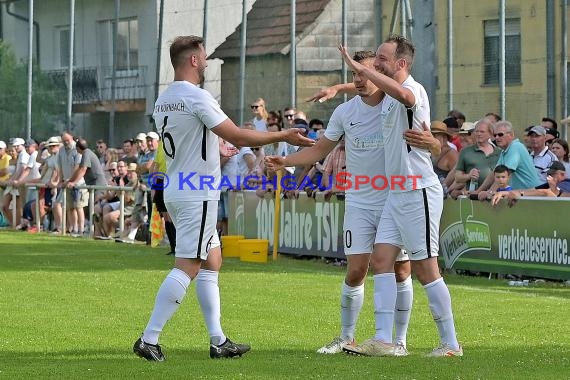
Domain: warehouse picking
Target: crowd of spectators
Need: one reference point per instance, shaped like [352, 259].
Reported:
[482, 160]
[490, 161]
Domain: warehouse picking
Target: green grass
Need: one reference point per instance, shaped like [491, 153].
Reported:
[72, 308]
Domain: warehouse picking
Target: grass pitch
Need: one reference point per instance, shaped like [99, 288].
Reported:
[72, 308]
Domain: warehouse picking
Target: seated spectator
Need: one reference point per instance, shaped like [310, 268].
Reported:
[129, 155]
[541, 155]
[560, 149]
[557, 186]
[274, 117]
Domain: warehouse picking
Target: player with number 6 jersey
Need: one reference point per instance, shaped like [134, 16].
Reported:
[189, 121]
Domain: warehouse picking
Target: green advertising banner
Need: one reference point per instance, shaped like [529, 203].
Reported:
[307, 226]
[530, 238]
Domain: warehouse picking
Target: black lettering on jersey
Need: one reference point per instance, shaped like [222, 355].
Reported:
[167, 140]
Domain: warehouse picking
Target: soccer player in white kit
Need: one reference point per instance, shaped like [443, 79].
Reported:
[189, 121]
[412, 212]
[358, 121]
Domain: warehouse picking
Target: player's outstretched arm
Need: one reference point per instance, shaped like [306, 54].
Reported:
[332, 91]
[307, 156]
[245, 137]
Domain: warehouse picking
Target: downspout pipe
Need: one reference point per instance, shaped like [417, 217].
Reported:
[26, 20]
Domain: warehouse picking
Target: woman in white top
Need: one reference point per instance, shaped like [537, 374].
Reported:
[260, 111]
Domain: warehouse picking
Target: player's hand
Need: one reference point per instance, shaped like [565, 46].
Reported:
[274, 163]
[226, 149]
[352, 64]
[323, 95]
[421, 139]
[296, 136]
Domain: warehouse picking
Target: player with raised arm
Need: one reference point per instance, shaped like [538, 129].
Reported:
[189, 121]
[358, 121]
[412, 212]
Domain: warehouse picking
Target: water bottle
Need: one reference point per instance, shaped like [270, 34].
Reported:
[473, 185]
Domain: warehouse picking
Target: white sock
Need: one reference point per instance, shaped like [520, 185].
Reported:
[384, 305]
[404, 300]
[440, 306]
[351, 300]
[132, 234]
[208, 294]
[168, 299]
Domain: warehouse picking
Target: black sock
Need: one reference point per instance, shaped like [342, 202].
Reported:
[171, 233]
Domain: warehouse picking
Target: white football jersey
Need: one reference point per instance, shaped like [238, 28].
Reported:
[401, 159]
[184, 115]
[364, 145]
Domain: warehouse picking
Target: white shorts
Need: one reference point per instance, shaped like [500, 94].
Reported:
[360, 229]
[411, 219]
[195, 224]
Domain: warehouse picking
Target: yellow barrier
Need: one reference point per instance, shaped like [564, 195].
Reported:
[230, 246]
[253, 250]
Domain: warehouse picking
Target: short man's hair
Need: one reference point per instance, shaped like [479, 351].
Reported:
[456, 115]
[504, 123]
[181, 45]
[316, 121]
[360, 56]
[404, 48]
[496, 116]
[549, 120]
[502, 169]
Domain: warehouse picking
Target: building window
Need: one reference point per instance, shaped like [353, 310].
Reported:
[512, 51]
[127, 43]
[63, 36]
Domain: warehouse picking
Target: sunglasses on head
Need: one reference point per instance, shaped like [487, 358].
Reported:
[254, 106]
[549, 141]
[500, 134]
[255, 149]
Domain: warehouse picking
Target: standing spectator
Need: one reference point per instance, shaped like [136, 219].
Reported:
[140, 140]
[68, 162]
[458, 116]
[129, 152]
[447, 159]
[4, 162]
[453, 128]
[90, 169]
[515, 157]
[475, 162]
[49, 177]
[502, 178]
[549, 123]
[15, 183]
[542, 157]
[146, 160]
[260, 112]
[101, 152]
[198, 256]
[274, 117]
[466, 134]
[315, 125]
[289, 117]
[560, 149]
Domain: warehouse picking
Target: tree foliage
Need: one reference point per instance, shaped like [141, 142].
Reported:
[48, 101]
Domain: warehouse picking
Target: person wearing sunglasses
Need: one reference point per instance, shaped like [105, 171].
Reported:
[515, 157]
[260, 112]
[289, 117]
